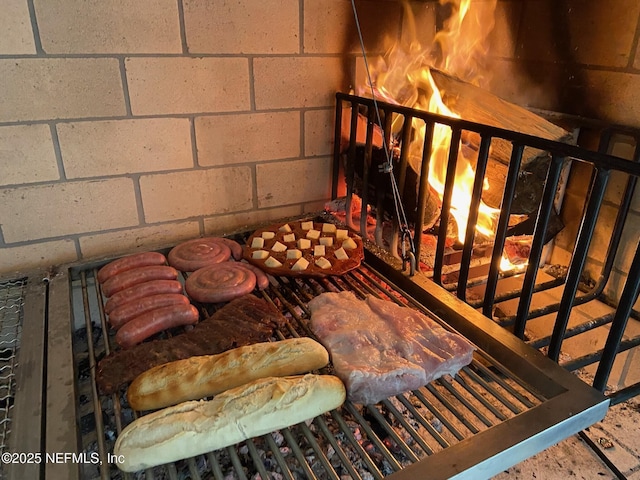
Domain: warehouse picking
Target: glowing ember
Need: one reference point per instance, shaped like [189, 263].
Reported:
[403, 77]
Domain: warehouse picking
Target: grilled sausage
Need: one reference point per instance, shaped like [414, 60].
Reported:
[138, 275]
[220, 283]
[130, 310]
[191, 255]
[262, 281]
[129, 262]
[235, 247]
[155, 321]
[146, 289]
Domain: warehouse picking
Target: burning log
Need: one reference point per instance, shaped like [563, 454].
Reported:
[478, 105]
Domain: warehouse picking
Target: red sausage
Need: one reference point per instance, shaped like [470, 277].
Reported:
[236, 249]
[220, 283]
[262, 281]
[130, 310]
[123, 264]
[138, 275]
[146, 289]
[155, 321]
[193, 254]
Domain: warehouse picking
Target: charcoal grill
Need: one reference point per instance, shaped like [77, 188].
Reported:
[510, 403]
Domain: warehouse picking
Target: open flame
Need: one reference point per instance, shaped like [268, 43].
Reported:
[403, 76]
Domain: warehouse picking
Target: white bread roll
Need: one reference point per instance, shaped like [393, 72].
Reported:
[196, 427]
[199, 377]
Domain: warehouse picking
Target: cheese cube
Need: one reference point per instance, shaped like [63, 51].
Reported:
[304, 243]
[268, 235]
[279, 247]
[328, 228]
[294, 253]
[301, 264]
[341, 254]
[260, 254]
[326, 241]
[272, 263]
[318, 251]
[342, 234]
[257, 242]
[289, 237]
[285, 228]
[307, 225]
[313, 234]
[323, 263]
[349, 244]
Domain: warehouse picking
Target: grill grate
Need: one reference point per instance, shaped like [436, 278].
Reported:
[354, 441]
[11, 315]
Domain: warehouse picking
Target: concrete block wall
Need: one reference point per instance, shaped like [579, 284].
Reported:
[130, 124]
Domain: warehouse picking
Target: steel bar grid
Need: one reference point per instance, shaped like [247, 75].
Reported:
[363, 442]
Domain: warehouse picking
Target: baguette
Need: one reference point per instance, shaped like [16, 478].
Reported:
[203, 376]
[196, 427]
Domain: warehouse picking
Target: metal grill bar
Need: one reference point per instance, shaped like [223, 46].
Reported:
[361, 442]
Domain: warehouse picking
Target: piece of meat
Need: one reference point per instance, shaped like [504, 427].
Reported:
[141, 290]
[130, 310]
[243, 321]
[137, 276]
[194, 254]
[380, 349]
[220, 282]
[155, 321]
[136, 260]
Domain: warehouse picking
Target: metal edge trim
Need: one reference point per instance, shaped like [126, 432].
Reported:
[27, 418]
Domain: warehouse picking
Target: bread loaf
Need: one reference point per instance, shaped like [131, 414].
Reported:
[196, 427]
[198, 377]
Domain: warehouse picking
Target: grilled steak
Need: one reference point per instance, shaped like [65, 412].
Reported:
[380, 349]
[243, 321]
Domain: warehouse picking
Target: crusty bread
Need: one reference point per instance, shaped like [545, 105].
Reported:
[203, 376]
[196, 427]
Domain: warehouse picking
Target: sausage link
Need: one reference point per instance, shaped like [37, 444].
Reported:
[236, 249]
[146, 289]
[220, 283]
[262, 281]
[155, 321]
[197, 253]
[131, 310]
[144, 259]
[138, 275]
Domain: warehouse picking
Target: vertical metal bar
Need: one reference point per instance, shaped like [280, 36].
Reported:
[578, 259]
[29, 410]
[337, 143]
[97, 408]
[627, 299]
[446, 204]
[501, 230]
[61, 427]
[476, 198]
[366, 166]
[380, 207]
[544, 212]
[423, 190]
[351, 164]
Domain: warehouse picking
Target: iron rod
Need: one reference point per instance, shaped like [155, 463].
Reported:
[472, 220]
[628, 297]
[537, 245]
[578, 260]
[501, 229]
